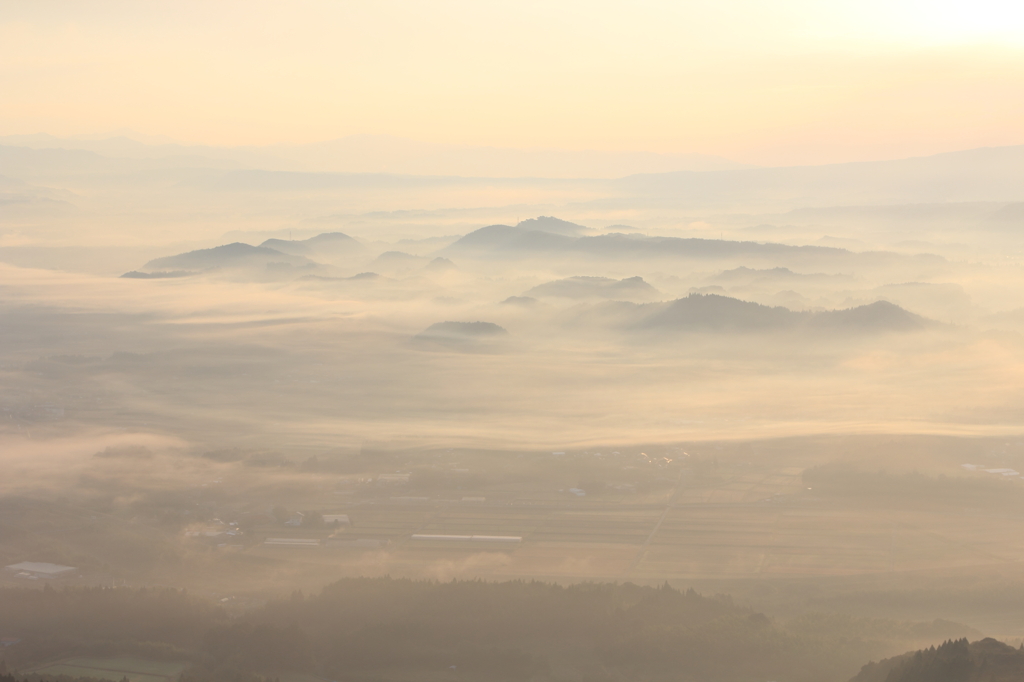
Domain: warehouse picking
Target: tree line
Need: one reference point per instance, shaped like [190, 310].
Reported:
[361, 628]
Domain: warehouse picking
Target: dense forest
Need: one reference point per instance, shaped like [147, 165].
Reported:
[363, 628]
[987, 660]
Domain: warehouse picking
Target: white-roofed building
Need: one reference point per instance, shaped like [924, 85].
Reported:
[39, 569]
[291, 542]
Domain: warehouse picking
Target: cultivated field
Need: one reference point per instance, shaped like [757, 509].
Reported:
[135, 669]
[742, 516]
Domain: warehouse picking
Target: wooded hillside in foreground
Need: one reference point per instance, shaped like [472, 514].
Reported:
[987, 660]
[382, 628]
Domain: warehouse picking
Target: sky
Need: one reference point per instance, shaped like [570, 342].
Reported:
[776, 82]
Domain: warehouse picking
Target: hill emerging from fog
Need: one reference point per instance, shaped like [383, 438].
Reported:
[554, 225]
[506, 242]
[329, 243]
[774, 276]
[496, 240]
[399, 261]
[629, 289]
[235, 255]
[462, 336]
[463, 330]
[717, 314]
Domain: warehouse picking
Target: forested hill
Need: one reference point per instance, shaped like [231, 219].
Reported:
[401, 629]
[987, 660]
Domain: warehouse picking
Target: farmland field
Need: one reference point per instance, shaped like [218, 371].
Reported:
[135, 669]
[745, 519]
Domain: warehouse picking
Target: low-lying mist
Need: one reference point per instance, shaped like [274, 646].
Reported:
[249, 382]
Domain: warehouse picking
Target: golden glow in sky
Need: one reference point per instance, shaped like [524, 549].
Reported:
[771, 82]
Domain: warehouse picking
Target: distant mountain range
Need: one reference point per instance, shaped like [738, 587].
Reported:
[985, 174]
[977, 175]
[325, 246]
[520, 242]
[537, 237]
[399, 261]
[173, 274]
[706, 314]
[564, 242]
[712, 313]
[462, 336]
[333, 243]
[629, 289]
[385, 154]
[554, 225]
[698, 312]
[745, 275]
[235, 255]
[464, 329]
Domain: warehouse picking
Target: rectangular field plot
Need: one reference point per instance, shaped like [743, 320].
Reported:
[500, 521]
[719, 540]
[552, 560]
[750, 524]
[135, 669]
[716, 526]
[297, 677]
[390, 522]
[659, 563]
[619, 527]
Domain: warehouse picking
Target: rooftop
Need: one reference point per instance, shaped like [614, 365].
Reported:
[41, 568]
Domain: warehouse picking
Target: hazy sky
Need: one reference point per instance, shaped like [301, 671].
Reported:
[773, 82]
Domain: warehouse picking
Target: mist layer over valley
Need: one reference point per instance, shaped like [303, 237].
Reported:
[303, 319]
[801, 387]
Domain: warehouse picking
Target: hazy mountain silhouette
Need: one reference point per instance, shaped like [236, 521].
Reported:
[950, 214]
[135, 274]
[397, 261]
[464, 329]
[230, 255]
[386, 154]
[520, 300]
[505, 240]
[497, 240]
[984, 174]
[629, 289]
[329, 243]
[462, 336]
[715, 313]
[979, 175]
[875, 317]
[554, 226]
[510, 243]
[745, 275]
[440, 264]
[361, 277]
[711, 312]
[1011, 215]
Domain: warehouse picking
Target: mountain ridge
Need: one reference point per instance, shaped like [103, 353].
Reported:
[714, 313]
[236, 254]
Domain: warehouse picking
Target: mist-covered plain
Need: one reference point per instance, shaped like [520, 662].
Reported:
[227, 371]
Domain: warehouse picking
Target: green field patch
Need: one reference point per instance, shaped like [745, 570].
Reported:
[135, 669]
[298, 677]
